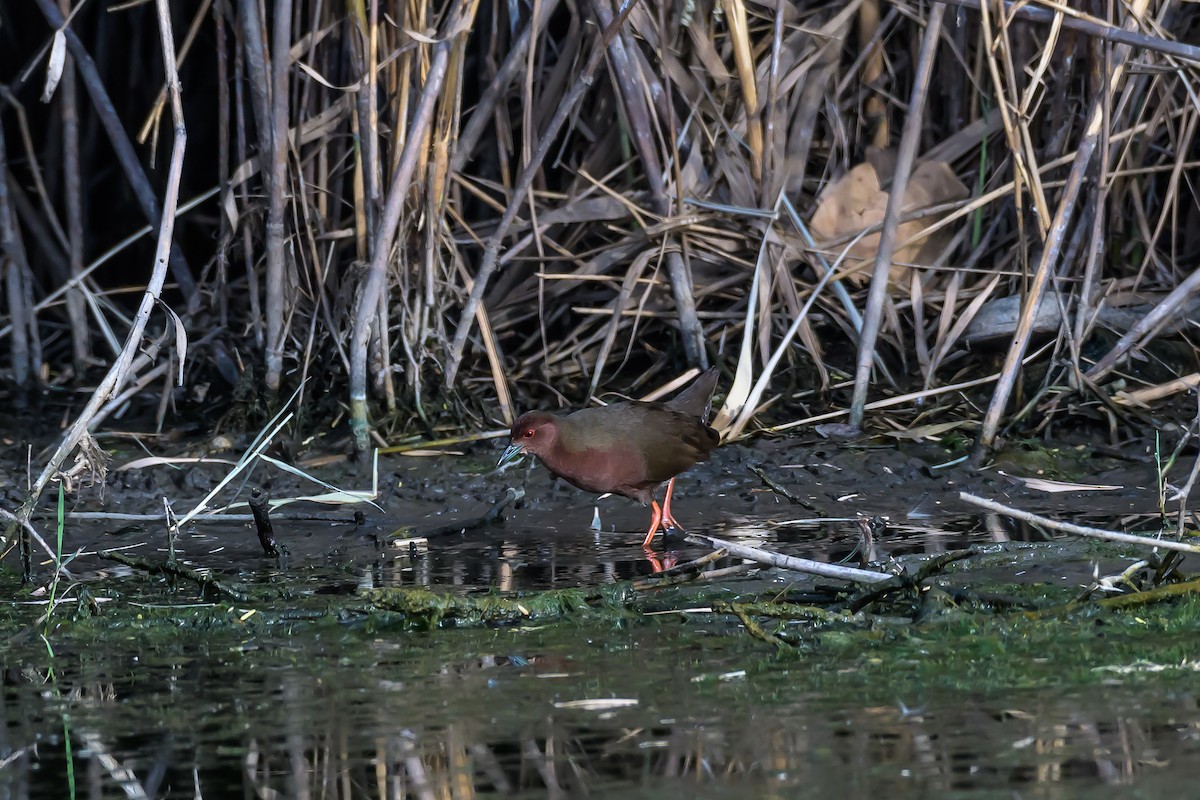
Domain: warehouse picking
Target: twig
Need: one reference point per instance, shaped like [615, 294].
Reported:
[906, 581]
[791, 562]
[782, 490]
[935, 565]
[1078, 530]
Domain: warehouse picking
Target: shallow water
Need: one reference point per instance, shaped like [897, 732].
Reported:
[466, 713]
[540, 548]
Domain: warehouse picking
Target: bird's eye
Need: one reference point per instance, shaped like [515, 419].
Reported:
[529, 434]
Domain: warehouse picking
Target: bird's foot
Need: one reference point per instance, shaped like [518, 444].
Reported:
[673, 530]
[671, 527]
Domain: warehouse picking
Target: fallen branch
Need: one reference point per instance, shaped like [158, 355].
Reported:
[692, 572]
[901, 582]
[1154, 595]
[1078, 530]
[752, 627]
[205, 581]
[1131, 600]
[791, 562]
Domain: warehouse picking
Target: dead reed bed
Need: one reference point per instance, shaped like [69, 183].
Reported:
[426, 216]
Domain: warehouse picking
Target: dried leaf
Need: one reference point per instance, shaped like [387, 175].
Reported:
[321, 79]
[857, 201]
[181, 340]
[54, 67]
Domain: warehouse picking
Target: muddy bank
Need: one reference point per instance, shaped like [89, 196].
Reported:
[428, 527]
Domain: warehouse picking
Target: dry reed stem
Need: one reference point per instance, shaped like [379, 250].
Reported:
[909, 141]
[492, 250]
[119, 370]
[119, 139]
[1050, 254]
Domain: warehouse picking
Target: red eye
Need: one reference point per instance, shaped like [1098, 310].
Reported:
[528, 434]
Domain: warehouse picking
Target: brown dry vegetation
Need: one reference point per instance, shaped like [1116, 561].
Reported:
[434, 212]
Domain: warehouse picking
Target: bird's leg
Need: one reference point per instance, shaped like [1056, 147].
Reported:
[655, 518]
[668, 518]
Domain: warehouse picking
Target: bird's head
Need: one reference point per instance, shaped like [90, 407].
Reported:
[534, 432]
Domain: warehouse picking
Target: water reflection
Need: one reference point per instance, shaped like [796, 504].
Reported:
[391, 726]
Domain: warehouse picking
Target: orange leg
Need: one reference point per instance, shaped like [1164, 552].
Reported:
[655, 519]
[668, 518]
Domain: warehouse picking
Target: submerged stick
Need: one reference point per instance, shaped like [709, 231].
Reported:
[204, 580]
[1078, 530]
[654, 582]
[489, 517]
[791, 562]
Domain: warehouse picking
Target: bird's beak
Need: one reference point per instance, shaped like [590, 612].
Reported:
[511, 453]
